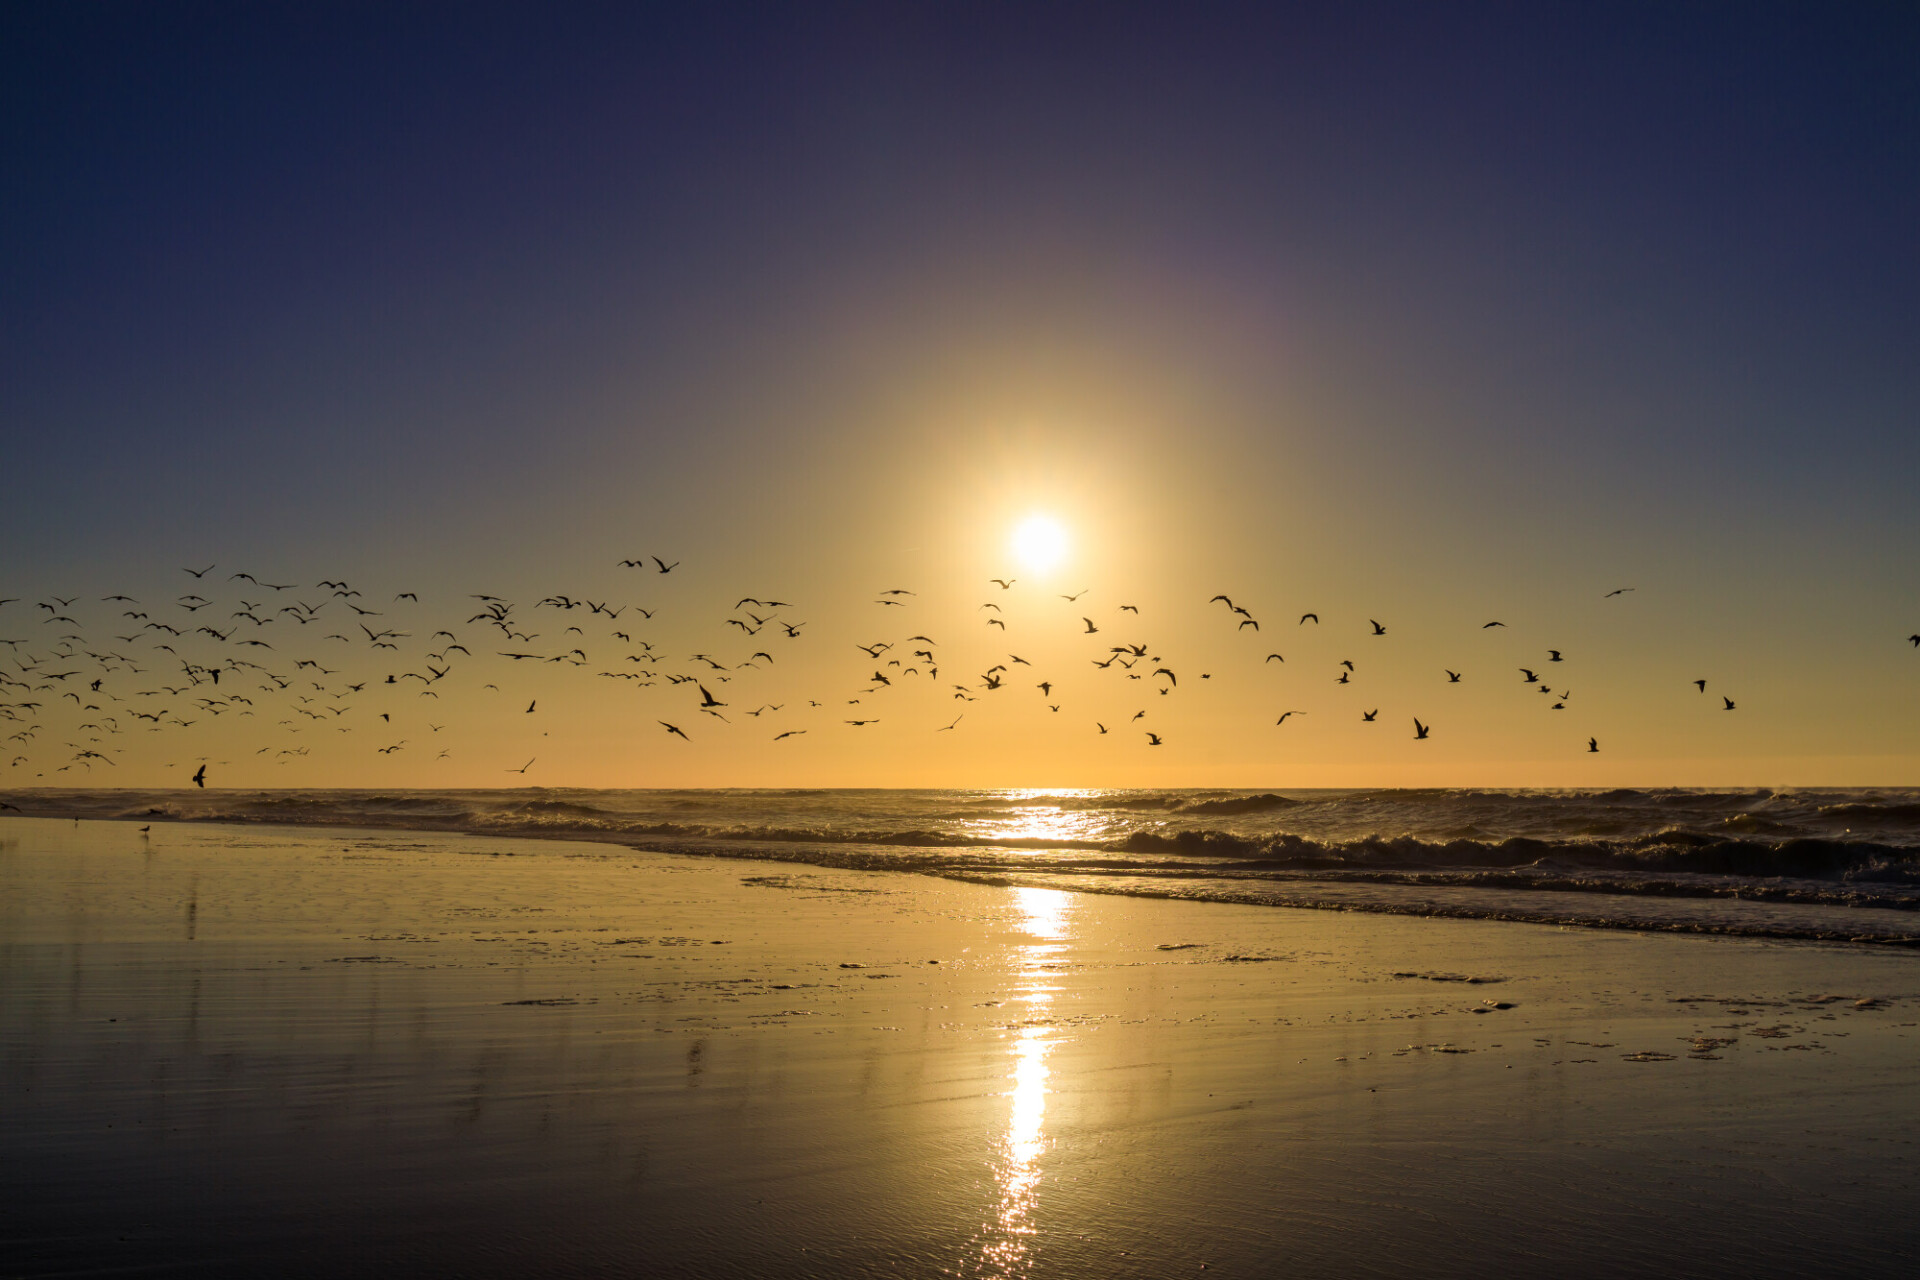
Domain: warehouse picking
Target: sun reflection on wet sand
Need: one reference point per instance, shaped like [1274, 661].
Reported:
[1016, 1164]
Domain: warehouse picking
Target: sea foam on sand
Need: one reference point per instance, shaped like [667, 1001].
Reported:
[334, 1051]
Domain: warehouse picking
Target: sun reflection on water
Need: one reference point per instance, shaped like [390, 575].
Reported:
[1045, 917]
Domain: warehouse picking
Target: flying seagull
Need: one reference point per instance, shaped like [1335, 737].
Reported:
[1419, 730]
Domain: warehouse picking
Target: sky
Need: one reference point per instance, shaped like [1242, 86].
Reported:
[1429, 315]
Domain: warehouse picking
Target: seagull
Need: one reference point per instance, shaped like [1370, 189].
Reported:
[956, 720]
[523, 768]
[200, 777]
[776, 737]
[707, 699]
[1314, 616]
[1485, 625]
[1272, 656]
[1914, 640]
[1701, 685]
[668, 568]
[1616, 592]
[1153, 740]
[1091, 629]
[1377, 628]
[1285, 714]
[1728, 701]
[199, 573]
[1076, 595]
[1419, 730]
[673, 728]
[1102, 728]
[1593, 744]
[1556, 655]
[1453, 677]
[1526, 674]
[1369, 715]
[1004, 582]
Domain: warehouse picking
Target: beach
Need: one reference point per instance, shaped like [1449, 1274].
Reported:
[335, 1051]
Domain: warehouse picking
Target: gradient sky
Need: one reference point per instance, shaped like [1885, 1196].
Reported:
[1431, 314]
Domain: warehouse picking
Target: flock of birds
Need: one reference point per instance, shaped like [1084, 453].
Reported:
[328, 658]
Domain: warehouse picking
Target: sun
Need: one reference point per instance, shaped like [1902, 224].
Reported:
[1039, 543]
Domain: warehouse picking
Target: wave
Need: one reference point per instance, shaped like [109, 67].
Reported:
[1820, 849]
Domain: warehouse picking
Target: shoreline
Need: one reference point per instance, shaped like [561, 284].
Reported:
[1757, 910]
[482, 1054]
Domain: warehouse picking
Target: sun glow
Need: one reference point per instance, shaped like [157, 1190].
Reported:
[1039, 543]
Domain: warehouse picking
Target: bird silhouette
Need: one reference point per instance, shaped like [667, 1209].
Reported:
[667, 568]
[1004, 583]
[1153, 740]
[1314, 616]
[1273, 657]
[1453, 677]
[1700, 685]
[1377, 628]
[1369, 715]
[1728, 701]
[523, 768]
[1593, 744]
[1554, 655]
[1419, 730]
[200, 775]
[1285, 714]
[1091, 629]
[1617, 591]
[673, 728]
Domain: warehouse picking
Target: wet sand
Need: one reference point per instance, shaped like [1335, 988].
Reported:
[240, 1051]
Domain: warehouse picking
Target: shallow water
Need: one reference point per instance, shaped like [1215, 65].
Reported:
[230, 1051]
[1830, 864]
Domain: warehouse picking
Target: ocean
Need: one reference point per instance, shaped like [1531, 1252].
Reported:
[1826, 864]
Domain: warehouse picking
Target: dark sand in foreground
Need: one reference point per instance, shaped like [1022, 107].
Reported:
[249, 1051]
